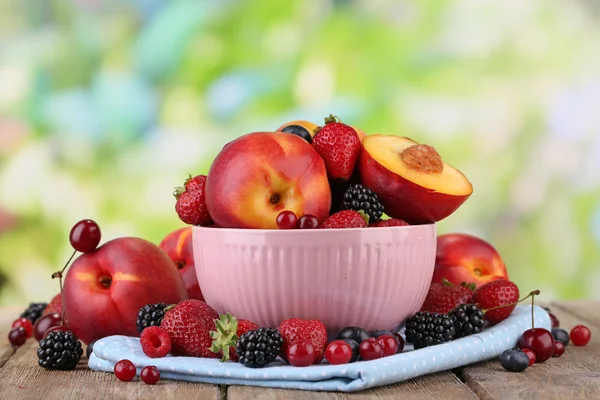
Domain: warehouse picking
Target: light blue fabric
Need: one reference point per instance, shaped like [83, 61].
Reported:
[344, 378]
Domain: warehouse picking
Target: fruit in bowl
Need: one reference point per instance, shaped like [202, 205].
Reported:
[260, 174]
[368, 277]
[178, 245]
[465, 258]
[105, 289]
[411, 180]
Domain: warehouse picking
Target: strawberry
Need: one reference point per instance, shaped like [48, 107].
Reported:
[228, 331]
[191, 202]
[295, 329]
[494, 294]
[443, 297]
[55, 306]
[389, 222]
[346, 219]
[339, 146]
[189, 324]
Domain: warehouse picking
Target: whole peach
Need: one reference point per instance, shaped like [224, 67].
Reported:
[260, 174]
[105, 289]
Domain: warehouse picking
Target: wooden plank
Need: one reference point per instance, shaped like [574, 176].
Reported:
[7, 316]
[22, 378]
[575, 375]
[587, 310]
[443, 385]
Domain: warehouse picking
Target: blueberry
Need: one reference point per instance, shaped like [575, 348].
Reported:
[298, 131]
[561, 335]
[354, 333]
[355, 346]
[514, 360]
[89, 349]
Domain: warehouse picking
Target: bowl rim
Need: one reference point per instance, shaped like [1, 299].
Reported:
[309, 231]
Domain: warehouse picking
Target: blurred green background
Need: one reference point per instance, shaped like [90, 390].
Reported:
[105, 106]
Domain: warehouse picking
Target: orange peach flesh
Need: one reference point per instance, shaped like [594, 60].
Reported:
[419, 164]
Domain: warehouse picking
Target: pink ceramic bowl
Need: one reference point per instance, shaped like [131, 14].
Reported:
[372, 277]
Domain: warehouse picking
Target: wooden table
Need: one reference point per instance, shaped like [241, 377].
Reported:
[575, 375]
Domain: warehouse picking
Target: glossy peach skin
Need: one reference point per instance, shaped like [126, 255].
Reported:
[178, 245]
[260, 174]
[104, 290]
[465, 258]
[403, 198]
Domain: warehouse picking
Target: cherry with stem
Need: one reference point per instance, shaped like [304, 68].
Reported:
[84, 237]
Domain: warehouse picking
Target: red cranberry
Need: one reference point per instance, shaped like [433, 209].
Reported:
[580, 335]
[559, 348]
[301, 353]
[531, 356]
[25, 324]
[388, 344]
[150, 375]
[17, 337]
[370, 349]
[124, 370]
[308, 221]
[286, 220]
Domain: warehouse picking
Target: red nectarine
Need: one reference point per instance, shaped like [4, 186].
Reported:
[178, 245]
[466, 258]
[258, 175]
[104, 290]
[411, 180]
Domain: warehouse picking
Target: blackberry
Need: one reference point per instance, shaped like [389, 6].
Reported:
[259, 347]
[426, 329]
[469, 319]
[359, 198]
[150, 315]
[34, 311]
[59, 350]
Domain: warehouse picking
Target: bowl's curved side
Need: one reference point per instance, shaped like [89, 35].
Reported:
[373, 278]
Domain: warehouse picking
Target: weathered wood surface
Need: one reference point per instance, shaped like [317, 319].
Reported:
[573, 376]
[443, 385]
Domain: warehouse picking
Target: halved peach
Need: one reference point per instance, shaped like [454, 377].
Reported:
[411, 180]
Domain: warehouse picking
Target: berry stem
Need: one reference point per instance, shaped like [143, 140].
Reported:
[59, 275]
[531, 294]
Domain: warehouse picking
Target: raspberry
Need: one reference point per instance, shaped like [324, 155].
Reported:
[155, 342]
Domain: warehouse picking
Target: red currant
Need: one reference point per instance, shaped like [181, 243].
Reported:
[124, 370]
[286, 220]
[370, 349]
[25, 324]
[85, 236]
[338, 352]
[308, 221]
[580, 335]
[531, 356]
[301, 353]
[17, 337]
[44, 323]
[388, 344]
[559, 348]
[150, 375]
